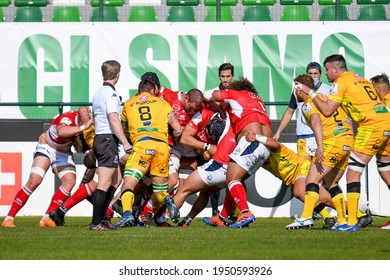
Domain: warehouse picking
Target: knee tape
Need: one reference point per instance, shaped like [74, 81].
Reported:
[65, 171]
[96, 177]
[174, 165]
[355, 164]
[383, 165]
[39, 171]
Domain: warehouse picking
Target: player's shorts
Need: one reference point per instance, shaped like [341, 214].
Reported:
[337, 150]
[371, 140]
[56, 158]
[250, 155]
[301, 172]
[306, 145]
[385, 151]
[181, 150]
[121, 150]
[105, 147]
[213, 173]
[150, 155]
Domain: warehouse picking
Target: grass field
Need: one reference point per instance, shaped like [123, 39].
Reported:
[267, 239]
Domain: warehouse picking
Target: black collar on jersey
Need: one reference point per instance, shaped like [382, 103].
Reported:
[221, 87]
[108, 84]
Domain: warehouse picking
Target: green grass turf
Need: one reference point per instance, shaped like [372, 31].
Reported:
[267, 239]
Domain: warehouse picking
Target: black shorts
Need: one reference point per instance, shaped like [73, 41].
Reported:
[105, 147]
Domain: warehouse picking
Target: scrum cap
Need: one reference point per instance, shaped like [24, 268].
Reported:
[215, 128]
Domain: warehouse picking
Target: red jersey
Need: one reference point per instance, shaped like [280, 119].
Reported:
[69, 119]
[199, 122]
[174, 98]
[245, 107]
[226, 146]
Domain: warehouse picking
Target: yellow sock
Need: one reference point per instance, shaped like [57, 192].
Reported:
[311, 199]
[127, 199]
[160, 197]
[325, 214]
[360, 213]
[339, 203]
[353, 200]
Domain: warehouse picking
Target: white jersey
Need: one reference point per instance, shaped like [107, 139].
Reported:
[302, 128]
[105, 101]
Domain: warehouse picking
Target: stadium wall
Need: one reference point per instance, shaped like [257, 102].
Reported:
[60, 62]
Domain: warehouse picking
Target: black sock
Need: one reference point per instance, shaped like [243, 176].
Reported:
[109, 195]
[98, 206]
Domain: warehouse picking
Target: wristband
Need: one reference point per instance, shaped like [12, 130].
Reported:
[206, 146]
[177, 134]
[312, 94]
[261, 138]
[82, 127]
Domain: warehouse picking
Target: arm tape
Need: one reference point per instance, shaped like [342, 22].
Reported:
[261, 138]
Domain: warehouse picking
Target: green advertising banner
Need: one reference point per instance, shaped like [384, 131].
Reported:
[60, 62]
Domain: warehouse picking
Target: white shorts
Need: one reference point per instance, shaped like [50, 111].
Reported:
[213, 173]
[121, 150]
[311, 146]
[250, 155]
[183, 150]
[56, 158]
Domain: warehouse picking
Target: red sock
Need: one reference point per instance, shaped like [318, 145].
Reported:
[79, 195]
[58, 199]
[228, 205]
[148, 207]
[109, 212]
[19, 201]
[238, 193]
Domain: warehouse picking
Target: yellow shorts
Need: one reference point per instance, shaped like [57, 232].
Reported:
[152, 156]
[337, 150]
[302, 172]
[371, 140]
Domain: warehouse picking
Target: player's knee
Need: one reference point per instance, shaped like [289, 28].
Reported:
[383, 165]
[356, 164]
[38, 171]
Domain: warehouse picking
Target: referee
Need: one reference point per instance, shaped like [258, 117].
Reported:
[106, 108]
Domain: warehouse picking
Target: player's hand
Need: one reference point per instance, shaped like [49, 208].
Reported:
[128, 148]
[250, 136]
[42, 138]
[89, 123]
[320, 154]
[206, 155]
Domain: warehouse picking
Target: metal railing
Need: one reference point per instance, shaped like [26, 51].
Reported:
[61, 105]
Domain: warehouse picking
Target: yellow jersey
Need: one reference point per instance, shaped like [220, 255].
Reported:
[147, 117]
[89, 136]
[332, 126]
[359, 98]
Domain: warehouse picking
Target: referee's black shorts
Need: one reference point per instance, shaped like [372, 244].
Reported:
[105, 147]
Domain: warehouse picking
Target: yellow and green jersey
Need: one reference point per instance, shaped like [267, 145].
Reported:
[147, 116]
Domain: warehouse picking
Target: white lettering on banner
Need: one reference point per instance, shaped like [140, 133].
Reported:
[6, 178]
[184, 56]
